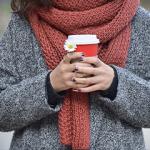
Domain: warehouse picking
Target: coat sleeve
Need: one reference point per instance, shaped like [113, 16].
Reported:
[22, 102]
[132, 102]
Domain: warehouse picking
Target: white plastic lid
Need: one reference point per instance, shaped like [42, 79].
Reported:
[83, 39]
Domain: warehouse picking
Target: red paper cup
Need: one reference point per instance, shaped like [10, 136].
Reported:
[86, 43]
[89, 50]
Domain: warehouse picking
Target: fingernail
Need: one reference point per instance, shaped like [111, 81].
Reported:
[76, 68]
[81, 59]
[73, 79]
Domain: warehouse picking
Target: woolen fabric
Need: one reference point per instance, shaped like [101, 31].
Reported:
[111, 22]
[24, 108]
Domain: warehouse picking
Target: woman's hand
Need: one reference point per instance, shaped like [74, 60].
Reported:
[102, 75]
[62, 76]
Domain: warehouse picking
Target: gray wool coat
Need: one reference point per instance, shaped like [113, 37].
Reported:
[115, 125]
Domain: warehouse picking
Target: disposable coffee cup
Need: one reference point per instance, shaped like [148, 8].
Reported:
[86, 43]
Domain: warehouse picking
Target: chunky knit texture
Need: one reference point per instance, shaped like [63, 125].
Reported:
[111, 22]
[115, 125]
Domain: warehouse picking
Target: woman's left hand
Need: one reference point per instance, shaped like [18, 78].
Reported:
[101, 75]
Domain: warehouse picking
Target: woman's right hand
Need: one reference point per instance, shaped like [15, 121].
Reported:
[61, 77]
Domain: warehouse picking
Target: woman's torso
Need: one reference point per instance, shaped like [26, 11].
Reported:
[107, 131]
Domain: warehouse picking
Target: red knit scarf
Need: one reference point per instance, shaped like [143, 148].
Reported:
[110, 20]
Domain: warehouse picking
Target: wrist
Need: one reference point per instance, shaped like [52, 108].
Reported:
[54, 83]
[53, 97]
[111, 92]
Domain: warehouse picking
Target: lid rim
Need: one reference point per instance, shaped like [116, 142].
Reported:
[83, 43]
[83, 39]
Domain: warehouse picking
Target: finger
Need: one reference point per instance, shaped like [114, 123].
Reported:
[73, 67]
[68, 68]
[82, 64]
[88, 70]
[92, 60]
[88, 81]
[88, 89]
[67, 77]
[81, 75]
[77, 86]
[71, 56]
[73, 85]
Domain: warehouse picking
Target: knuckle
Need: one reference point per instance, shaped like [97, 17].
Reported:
[74, 66]
[102, 87]
[94, 71]
[64, 77]
[77, 86]
[82, 75]
[89, 65]
[97, 60]
[69, 55]
[62, 69]
[88, 81]
[65, 57]
[78, 54]
[77, 75]
[67, 84]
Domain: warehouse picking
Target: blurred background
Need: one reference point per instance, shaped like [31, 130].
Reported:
[5, 12]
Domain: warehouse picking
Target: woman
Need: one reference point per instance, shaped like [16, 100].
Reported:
[95, 103]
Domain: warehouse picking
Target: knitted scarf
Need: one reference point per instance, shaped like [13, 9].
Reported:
[110, 20]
